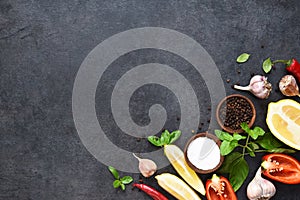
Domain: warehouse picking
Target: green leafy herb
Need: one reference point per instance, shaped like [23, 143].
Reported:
[243, 58]
[119, 182]
[234, 163]
[165, 138]
[267, 65]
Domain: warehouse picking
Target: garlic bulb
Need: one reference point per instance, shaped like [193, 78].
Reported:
[288, 86]
[260, 188]
[147, 167]
[259, 86]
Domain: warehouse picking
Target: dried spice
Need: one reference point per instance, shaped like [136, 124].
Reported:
[234, 111]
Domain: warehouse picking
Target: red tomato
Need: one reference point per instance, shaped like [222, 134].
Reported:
[219, 188]
[282, 168]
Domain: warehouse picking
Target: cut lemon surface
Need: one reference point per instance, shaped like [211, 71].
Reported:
[176, 158]
[283, 120]
[176, 187]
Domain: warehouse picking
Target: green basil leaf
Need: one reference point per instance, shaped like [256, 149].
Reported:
[227, 163]
[174, 136]
[281, 150]
[253, 146]
[268, 141]
[239, 173]
[243, 58]
[251, 152]
[155, 140]
[238, 137]
[223, 135]
[267, 65]
[227, 147]
[123, 186]
[126, 179]
[164, 138]
[116, 183]
[245, 127]
[114, 172]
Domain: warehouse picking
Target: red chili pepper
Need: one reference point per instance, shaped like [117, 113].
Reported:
[293, 67]
[219, 188]
[150, 191]
[282, 168]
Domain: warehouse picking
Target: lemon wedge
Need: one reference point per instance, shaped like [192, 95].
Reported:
[176, 158]
[283, 120]
[176, 187]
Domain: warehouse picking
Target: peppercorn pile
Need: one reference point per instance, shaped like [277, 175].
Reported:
[235, 111]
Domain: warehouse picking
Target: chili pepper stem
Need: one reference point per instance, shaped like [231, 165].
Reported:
[247, 88]
[287, 62]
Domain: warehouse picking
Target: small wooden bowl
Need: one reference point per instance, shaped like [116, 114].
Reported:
[210, 136]
[228, 129]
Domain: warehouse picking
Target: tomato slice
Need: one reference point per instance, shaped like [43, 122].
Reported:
[281, 168]
[219, 188]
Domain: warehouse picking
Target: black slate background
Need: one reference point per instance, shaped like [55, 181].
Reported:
[43, 43]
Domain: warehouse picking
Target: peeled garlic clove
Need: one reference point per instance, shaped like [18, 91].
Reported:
[146, 166]
[288, 86]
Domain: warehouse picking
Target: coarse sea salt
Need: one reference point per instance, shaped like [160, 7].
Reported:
[204, 153]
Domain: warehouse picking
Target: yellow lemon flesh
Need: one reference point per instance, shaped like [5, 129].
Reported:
[176, 187]
[283, 120]
[176, 158]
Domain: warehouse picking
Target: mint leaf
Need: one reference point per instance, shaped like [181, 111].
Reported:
[223, 135]
[123, 186]
[243, 58]
[126, 179]
[238, 137]
[268, 141]
[174, 136]
[155, 140]
[114, 172]
[228, 160]
[239, 173]
[267, 65]
[228, 146]
[116, 183]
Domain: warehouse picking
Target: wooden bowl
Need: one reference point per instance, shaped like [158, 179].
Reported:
[221, 123]
[210, 136]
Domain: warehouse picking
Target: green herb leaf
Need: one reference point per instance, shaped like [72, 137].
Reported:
[268, 141]
[174, 136]
[254, 133]
[253, 146]
[164, 138]
[251, 152]
[239, 173]
[116, 183]
[223, 135]
[245, 127]
[114, 172]
[126, 179]
[281, 150]
[267, 65]
[123, 186]
[228, 160]
[243, 58]
[228, 146]
[238, 137]
[155, 140]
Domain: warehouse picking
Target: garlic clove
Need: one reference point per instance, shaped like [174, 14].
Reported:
[288, 86]
[146, 166]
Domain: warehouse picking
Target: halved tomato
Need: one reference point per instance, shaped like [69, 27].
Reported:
[219, 188]
[281, 168]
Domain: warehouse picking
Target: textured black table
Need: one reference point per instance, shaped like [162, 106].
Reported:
[43, 44]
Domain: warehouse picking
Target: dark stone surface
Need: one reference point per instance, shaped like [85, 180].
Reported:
[42, 45]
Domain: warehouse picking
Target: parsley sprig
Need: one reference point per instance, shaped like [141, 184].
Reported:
[256, 141]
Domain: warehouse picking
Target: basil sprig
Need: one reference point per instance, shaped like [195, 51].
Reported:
[165, 138]
[257, 140]
[119, 182]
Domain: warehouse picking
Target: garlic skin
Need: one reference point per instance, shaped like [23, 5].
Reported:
[147, 167]
[260, 188]
[288, 86]
[259, 86]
